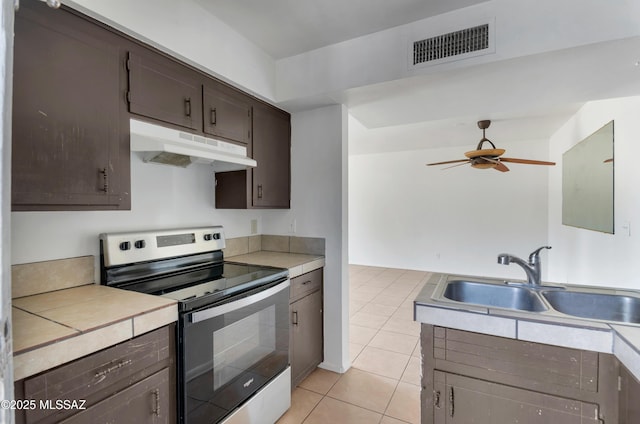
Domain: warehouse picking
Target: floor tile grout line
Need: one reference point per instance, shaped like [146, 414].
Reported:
[377, 331]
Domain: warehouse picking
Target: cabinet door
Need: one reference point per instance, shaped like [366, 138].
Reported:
[164, 90]
[463, 400]
[306, 336]
[271, 183]
[148, 401]
[70, 147]
[226, 113]
[629, 396]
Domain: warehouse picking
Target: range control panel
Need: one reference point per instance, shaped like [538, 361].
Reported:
[132, 247]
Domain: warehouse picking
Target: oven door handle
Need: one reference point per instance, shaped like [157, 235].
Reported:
[237, 304]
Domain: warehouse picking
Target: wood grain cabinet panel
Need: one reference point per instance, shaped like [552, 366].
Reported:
[147, 401]
[269, 184]
[462, 400]
[271, 148]
[307, 346]
[70, 146]
[629, 398]
[226, 113]
[162, 89]
[476, 378]
[133, 381]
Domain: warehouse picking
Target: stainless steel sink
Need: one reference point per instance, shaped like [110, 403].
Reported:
[494, 295]
[610, 307]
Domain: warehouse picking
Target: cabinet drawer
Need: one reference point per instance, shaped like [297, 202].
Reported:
[531, 365]
[306, 283]
[101, 374]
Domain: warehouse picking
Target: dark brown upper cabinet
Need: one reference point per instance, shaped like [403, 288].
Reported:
[272, 150]
[162, 89]
[269, 184]
[70, 144]
[226, 113]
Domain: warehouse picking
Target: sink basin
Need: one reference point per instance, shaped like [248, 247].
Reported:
[610, 307]
[493, 295]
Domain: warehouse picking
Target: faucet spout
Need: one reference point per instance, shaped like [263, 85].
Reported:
[532, 267]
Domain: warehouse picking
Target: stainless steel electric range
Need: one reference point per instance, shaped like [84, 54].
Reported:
[233, 329]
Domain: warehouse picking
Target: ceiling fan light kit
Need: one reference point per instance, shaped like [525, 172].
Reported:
[488, 158]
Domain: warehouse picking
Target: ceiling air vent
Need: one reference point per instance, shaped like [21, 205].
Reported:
[453, 46]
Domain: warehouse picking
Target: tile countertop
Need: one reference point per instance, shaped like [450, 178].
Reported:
[50, 329]
[621, 340]
[53, 328]
[297, 263]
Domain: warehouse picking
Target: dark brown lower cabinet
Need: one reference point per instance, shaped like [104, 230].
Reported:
[131, 382]
[306, 347]
[481, 379]
[629, 398]
[146, 401]
[461, 399]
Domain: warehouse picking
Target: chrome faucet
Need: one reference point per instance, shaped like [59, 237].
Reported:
[531, 268]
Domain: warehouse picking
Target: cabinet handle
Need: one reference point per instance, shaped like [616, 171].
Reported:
[306, 282]
[187, 106]
[156, 402]
[213, 116]
[259, 191]
[451, 402]
[436, 399]
[295, 318]
[105, 180]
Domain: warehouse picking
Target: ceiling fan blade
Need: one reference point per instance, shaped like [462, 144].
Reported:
[459, 164]
[449, 161]
[527, 161]
[499, 165]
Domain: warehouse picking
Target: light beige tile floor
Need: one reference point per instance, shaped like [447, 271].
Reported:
[383, 384]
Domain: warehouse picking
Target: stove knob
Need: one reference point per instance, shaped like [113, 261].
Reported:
[216, 236]
[207, 237]
[125, 245]
[139, 244]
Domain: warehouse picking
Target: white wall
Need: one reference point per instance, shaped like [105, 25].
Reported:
[185, 29]
[161, 197]
[404, 214]
[588, 257]
[319, 208]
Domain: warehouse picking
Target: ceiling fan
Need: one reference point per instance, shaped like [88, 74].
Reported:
[488, 158]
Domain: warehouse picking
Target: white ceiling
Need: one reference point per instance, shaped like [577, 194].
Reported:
[285, 28]
[527, 98]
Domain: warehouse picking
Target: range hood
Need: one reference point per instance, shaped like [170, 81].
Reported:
[164, 145]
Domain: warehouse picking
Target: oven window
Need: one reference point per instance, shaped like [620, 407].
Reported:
[231, 355]
[243, 344]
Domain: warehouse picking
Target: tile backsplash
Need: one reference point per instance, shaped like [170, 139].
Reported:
[272, 243]
[41, 277]
[46, 276]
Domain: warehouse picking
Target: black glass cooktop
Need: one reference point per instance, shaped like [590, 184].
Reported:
[210, 284]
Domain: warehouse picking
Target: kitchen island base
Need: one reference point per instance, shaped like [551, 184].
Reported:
[476, 378]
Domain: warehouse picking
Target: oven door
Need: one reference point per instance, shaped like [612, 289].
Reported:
[230, 350]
